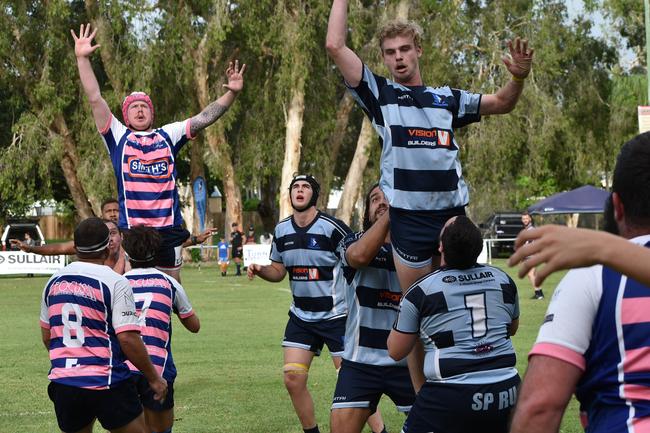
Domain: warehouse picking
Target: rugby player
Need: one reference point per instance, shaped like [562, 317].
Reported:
[421, 173]
[143, 158]
[373, 295]
[90, 328]
[305, 246]
[465, 314]
[156, 296]
[594, 340]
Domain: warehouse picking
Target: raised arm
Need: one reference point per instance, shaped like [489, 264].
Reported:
[347, 61]
[83, 49]
[216, 109]
[361, 252]
[519, 65]
[66, 248]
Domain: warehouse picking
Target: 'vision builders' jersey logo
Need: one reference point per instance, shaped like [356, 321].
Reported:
[429, 137]
[305, 274]
[157, 168]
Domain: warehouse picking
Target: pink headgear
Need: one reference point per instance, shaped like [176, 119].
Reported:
[135, 96]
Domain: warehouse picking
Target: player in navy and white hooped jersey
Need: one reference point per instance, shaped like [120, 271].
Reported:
[595, 338]
[144, 158]
[157, 296]
[305, 247]
[90, 328]
[420, 166]
[465, 314]
[372, 294]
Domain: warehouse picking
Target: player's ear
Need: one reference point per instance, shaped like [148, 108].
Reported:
[619, 209]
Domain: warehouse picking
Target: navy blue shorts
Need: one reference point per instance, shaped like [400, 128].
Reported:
[75, 407]
[415, 235]
[362, 385]
[313, 336]
[169, 255]
[146, 394]
[456, 408]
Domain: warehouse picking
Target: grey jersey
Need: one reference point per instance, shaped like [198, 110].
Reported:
[463, 319]
[310, 257]
[420, 164]
[372, 295]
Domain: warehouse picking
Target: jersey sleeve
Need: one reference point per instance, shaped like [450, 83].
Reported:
[467, 108]
[112, 134]
[367, 95]
[275, 255]
[44, 318]
[566, 331]
[125, 317]
[348, 271]
[178, 133]
[341, 230]
[408, 318]
[182, 305]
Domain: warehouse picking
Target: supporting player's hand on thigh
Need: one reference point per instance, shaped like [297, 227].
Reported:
[159, 387]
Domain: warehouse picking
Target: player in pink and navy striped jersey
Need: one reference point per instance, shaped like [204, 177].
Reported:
[90, 328]
[144, 157]
[156, 296]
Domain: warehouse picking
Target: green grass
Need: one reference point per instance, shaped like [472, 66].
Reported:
[229, 374]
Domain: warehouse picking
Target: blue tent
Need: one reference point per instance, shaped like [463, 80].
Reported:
[586, 199]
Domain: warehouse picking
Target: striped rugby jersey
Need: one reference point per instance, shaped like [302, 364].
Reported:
[156, 296]
[372, 294]
[85, 306]
[599, 321]
[420, 165]
[463, 318]
[145, 168]
[310, 256]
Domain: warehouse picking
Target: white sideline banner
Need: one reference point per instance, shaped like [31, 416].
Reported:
[257, 253]
[19, 262]
[483, 257]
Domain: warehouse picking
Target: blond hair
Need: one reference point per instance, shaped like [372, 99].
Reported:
[400, 28]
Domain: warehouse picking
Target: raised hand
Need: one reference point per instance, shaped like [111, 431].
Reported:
[521, 58]
[235, 77]
[15, 243]
[83, 46]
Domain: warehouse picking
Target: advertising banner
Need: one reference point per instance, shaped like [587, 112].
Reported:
[19, 262]
[257, 253]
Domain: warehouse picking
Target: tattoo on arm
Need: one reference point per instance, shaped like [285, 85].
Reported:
[207, 117]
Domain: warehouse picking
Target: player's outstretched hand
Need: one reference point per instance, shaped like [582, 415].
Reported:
[557, 247]
[207, 234]
[83, 44]
[521, 58]
[22, 246]
[159, 388]
[252, 270]
[235, 76]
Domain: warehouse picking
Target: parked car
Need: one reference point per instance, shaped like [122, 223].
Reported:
[17, 230]
[502, 225]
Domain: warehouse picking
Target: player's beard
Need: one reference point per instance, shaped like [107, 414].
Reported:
[608, 216]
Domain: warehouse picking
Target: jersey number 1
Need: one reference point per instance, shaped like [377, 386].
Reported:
[476, 305]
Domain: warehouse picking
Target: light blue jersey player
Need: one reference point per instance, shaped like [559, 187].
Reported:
[305, 247]
[372, 294]
[465, 314]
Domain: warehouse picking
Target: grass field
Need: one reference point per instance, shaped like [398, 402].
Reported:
[229, 374]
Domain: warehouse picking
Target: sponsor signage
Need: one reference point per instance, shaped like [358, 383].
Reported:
[19, 262]
[257, 253]
[644, 118]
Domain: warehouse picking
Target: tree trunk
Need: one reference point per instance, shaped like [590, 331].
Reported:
[336, 139]
[268, 208]
[292, 145]
[69, 161]
[354, 178]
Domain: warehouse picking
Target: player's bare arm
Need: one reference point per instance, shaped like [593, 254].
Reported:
[514, 326]
[45, 337]
[216, 109]
[83, 49]
[541, 402]
[136, 352]
[347, 61]
[400, 344]
[192, 323]
[519, 65]
[66, 248]
[200, 238]
[361, 253]
[274, 272]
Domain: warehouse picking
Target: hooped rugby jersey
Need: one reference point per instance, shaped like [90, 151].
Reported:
[310, 256]
[144, 164]
[463, 318]
[85, 306]
[420, 165]
[373, 295]
[599, 321]
[156, 296]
